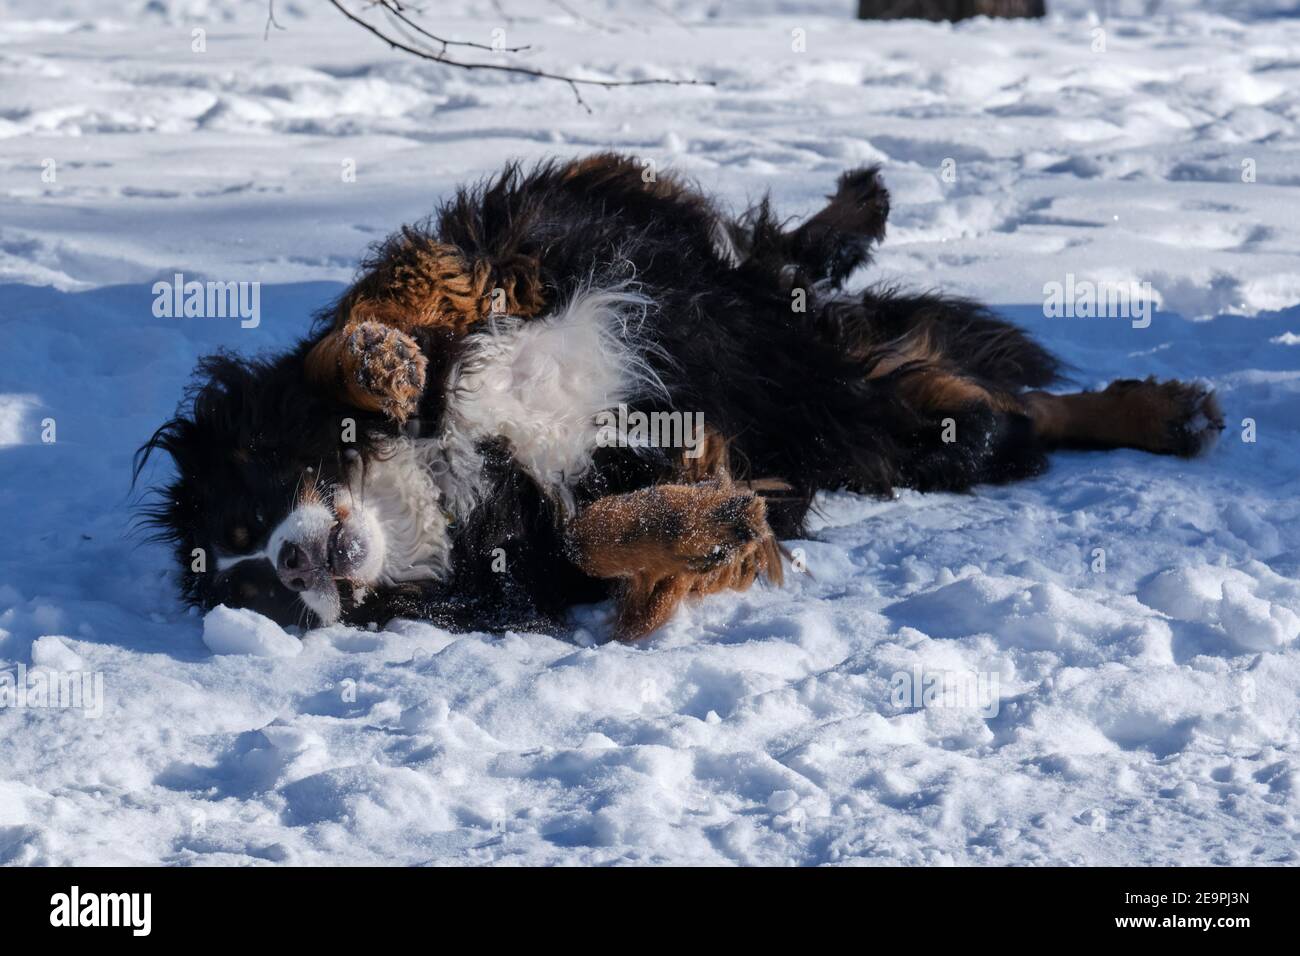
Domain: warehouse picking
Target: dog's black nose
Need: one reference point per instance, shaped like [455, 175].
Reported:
[291, 557]
[292, 566]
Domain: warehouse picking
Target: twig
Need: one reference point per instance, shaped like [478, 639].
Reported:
[663, 8]
[395, 9]
[501, 12]
[577, 17]
[271, 21]
[441, 57]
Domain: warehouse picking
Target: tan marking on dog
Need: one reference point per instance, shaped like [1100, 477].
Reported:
[669, 541]
[1147, 415]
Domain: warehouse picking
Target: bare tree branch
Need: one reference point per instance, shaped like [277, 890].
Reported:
[395, 10]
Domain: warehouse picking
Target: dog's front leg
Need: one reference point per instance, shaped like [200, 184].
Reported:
[668, 541]
[371, 366]
[417, 288]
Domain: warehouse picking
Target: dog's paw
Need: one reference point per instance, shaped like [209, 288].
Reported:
[1179, 418]
[1196, 421]
[669, 541]
[388, 366]
[668, 530]
[862, 203]
[717, 527]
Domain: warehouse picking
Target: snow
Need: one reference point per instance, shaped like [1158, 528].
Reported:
[1137, 616]
[237, 630]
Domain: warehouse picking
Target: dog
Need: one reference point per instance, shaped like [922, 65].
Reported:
[458, 438]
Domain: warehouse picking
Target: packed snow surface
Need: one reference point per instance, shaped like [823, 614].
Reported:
[1125, 626]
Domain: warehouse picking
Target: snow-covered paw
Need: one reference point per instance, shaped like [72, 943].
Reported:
[716, 527]
[669, 529]
[388, 365]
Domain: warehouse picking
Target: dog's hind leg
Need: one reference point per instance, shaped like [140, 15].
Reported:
[1166, 418]
[839, 238]
[666, 542]
[826, 248]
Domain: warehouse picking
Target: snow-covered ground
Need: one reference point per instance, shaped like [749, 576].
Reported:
[1132, 619]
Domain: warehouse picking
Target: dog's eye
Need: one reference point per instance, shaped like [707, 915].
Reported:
[239, 536]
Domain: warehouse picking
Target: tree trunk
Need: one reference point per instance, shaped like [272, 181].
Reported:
[948, 9]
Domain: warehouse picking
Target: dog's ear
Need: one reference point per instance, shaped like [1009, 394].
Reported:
[163, 512]
[170, 438]
[223, 383]
[216, 381]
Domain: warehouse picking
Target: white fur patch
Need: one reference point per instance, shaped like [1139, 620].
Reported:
[541, 383]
